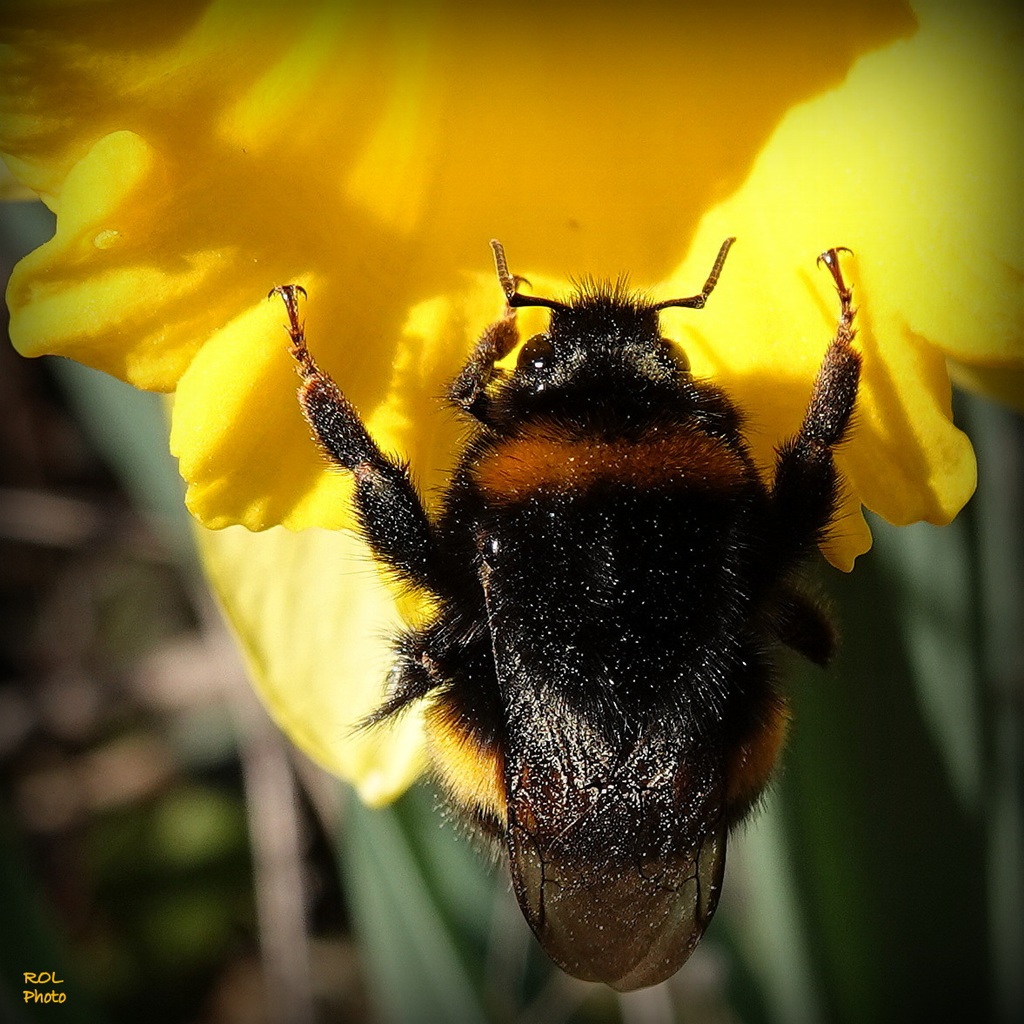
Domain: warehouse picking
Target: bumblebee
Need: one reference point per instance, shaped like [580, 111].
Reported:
[611, 577]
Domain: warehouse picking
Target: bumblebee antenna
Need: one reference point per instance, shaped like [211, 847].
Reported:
[697, 301]
[510, 284]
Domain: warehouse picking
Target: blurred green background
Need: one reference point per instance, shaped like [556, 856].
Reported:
[171, 859]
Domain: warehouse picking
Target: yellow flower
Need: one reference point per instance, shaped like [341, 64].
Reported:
[198, 156]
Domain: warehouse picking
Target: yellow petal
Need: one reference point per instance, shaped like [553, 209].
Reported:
[223, 424]
[97, 291]
[372, 151]
[307, 604]
[889, 165]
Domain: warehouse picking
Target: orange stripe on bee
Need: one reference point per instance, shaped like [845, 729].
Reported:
[545, 459]
[471, 772]
[754, 761]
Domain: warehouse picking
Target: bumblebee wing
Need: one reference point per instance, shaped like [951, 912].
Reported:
[615, 874]
[616, 843]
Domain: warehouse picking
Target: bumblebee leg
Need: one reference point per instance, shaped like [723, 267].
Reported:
[803, 625]
[390, 512]
[469, 389]
[414, 675]
[805, 487]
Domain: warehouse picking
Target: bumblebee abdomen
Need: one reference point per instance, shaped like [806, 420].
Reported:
[620, 565]
[470, 766]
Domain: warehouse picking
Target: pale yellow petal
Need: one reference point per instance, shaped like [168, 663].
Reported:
[312, 616]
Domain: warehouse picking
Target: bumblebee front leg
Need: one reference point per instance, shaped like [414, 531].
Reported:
[469, 389]
[390, 512]
[805, 488]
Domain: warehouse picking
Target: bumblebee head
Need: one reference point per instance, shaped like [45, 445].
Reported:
[604, 333]
[602, 345]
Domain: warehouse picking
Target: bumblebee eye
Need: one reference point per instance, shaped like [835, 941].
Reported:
[672, 355]
[537, 353]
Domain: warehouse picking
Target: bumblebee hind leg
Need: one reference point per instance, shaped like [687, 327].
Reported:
[414, 675]
[799, 621]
